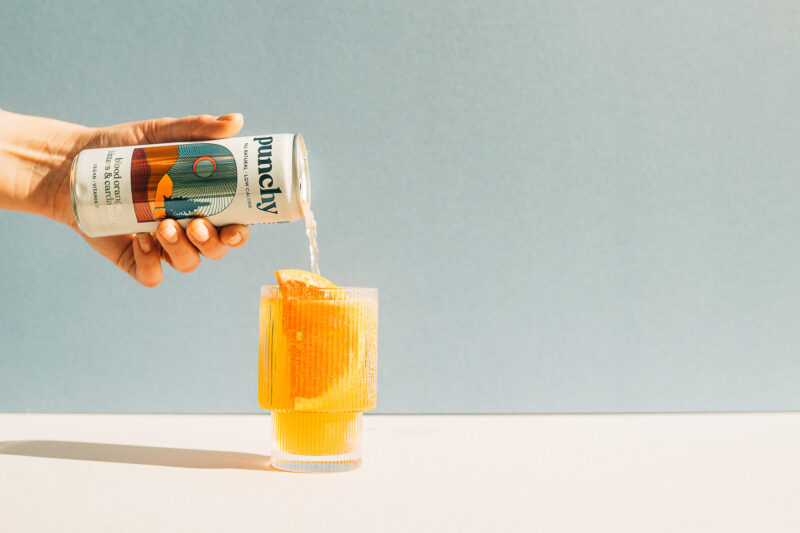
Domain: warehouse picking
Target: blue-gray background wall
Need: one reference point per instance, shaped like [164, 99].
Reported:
[567, 205]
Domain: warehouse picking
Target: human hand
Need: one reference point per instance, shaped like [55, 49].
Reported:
[35, 158]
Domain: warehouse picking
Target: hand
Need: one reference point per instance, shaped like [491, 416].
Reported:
[35, 158]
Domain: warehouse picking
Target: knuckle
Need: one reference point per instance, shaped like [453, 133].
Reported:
[150, 130]
[189, 268]
[188, 264]
[99, 138]
[139, 132]
[150, 282]
[126, 260]
[217, 252]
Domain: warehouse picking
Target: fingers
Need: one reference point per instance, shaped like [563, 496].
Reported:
[140, 255]
[161, 130]
[147, 260]
[183, 256]
[182, 249]
[199, 127]
[234, 235]
[204, 236]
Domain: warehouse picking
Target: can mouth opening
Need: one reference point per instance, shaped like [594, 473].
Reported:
[301, 171]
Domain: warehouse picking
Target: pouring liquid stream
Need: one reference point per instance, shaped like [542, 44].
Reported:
[311, 233]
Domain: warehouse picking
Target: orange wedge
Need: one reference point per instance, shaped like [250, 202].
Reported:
[300, 278]
[316, 324]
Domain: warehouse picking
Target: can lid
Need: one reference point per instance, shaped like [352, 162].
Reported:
[300, 171]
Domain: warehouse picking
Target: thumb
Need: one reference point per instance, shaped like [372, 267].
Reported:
[163, 130]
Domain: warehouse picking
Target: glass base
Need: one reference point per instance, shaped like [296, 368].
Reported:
[315, 463]
[316, 441]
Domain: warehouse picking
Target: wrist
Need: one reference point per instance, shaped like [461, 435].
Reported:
[35, 159]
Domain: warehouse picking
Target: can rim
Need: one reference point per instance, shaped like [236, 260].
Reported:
[300, 171]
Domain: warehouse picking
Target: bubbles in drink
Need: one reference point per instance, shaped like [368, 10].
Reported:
[311, 233]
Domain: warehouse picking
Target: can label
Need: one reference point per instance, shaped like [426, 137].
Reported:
[244, 180]
[182, 181]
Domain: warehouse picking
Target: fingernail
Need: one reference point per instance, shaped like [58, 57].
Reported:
[144, 242]
[229, 116]
[170, 234]
[200, 232]
[236, 239]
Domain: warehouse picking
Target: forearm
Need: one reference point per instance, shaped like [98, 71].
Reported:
[24, 172]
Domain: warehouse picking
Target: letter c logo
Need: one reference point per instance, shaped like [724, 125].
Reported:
[202, 168]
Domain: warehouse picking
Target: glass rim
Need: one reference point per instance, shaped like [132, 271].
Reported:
[341, 289]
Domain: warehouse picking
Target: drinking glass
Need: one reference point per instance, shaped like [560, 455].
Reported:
[317, 373]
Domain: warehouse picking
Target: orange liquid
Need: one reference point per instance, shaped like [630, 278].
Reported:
[317, 354]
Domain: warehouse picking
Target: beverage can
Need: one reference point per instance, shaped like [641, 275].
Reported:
[241, 180]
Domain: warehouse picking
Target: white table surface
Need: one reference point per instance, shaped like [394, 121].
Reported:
[610, 473]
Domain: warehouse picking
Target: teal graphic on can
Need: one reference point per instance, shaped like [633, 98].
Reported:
[182, 181]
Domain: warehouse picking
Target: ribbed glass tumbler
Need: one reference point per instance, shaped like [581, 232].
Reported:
[318, 352]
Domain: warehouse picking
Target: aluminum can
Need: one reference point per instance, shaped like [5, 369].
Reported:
[240, 180]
